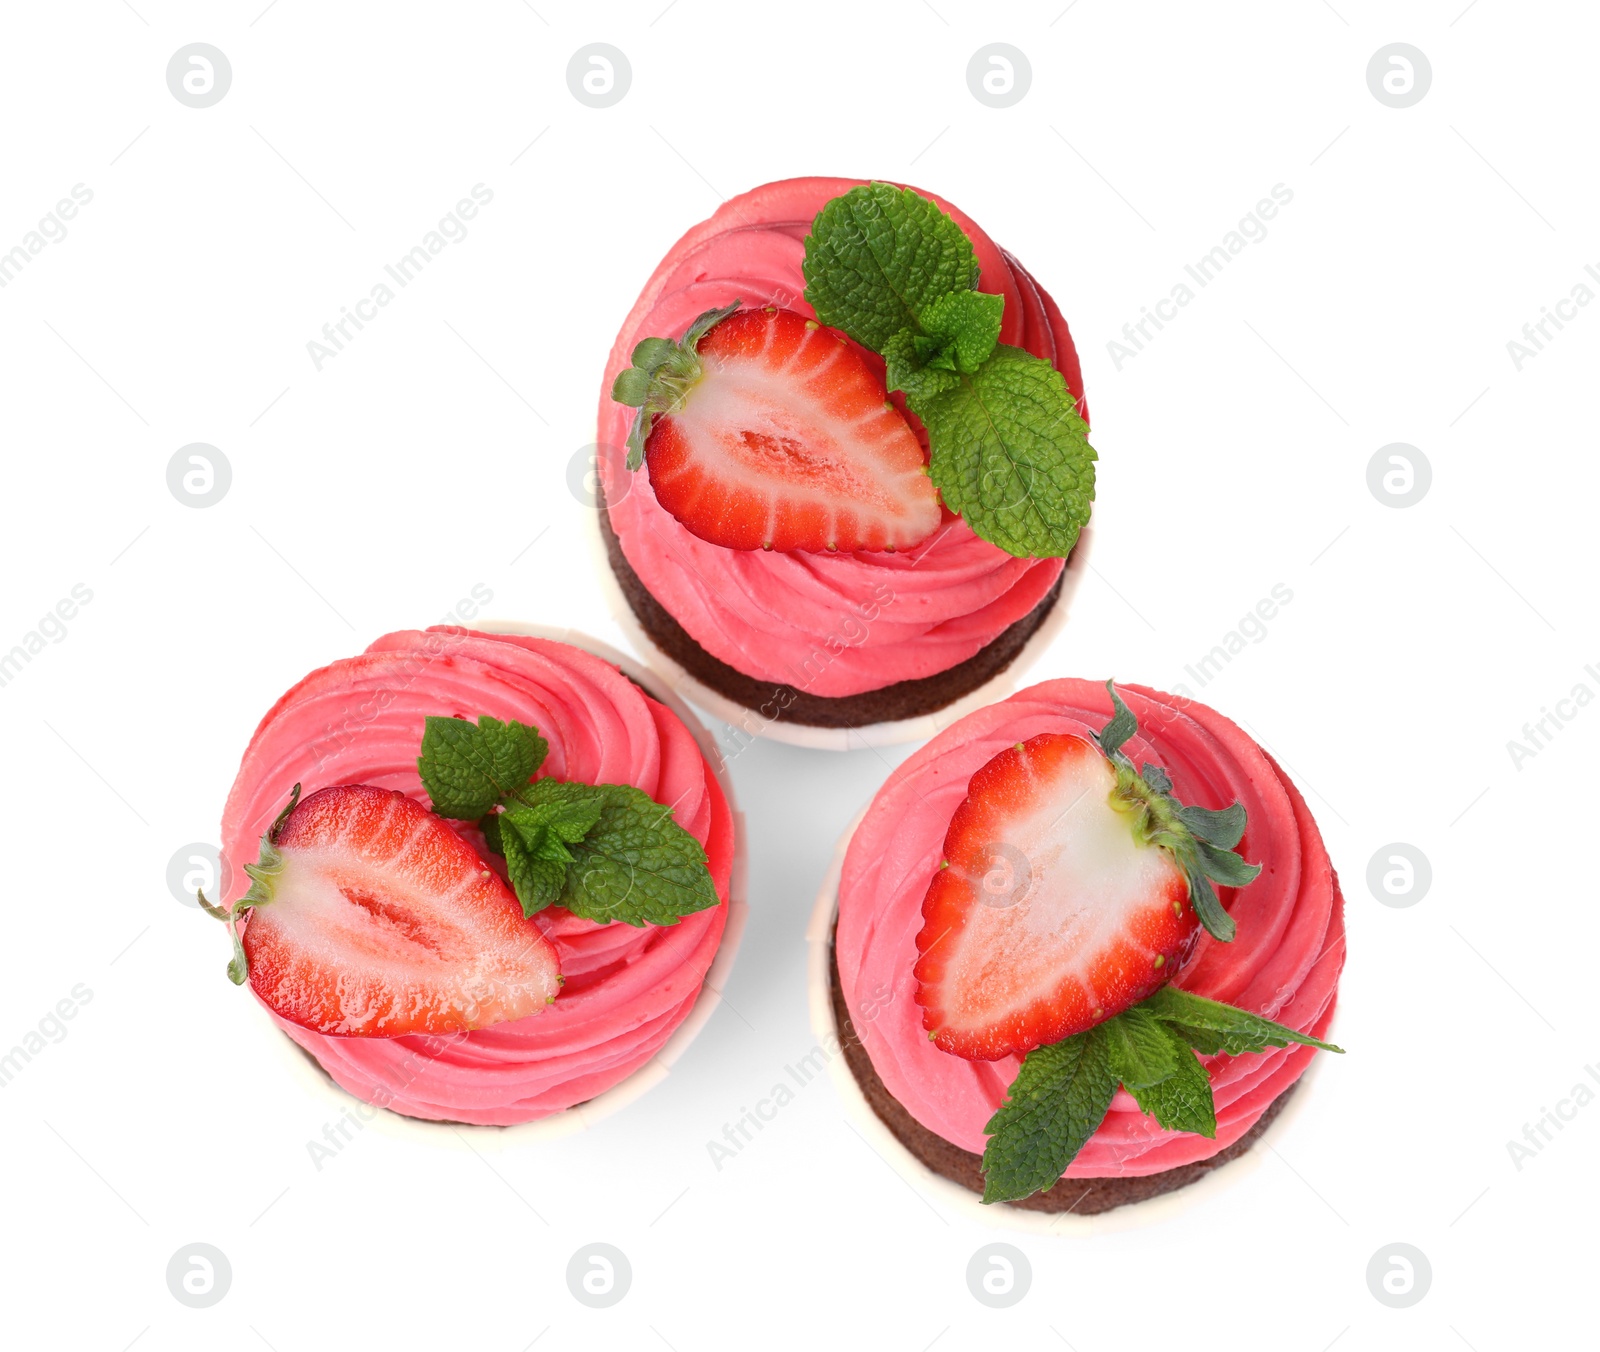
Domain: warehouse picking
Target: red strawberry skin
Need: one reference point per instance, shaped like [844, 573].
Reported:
[788, 442]
[383, 921]
[1047, 916]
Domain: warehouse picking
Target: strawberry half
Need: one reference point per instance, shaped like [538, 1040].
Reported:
[370, 917]
[1049, 913]
[764, 430]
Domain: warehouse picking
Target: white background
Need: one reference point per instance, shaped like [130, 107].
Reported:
[425, 458]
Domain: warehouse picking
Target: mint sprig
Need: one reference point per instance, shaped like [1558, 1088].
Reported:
[1058, 1100]
[606, 852]
[1010, 451]
[1063, 1091]
[1010, 454]
[1209, 1026]
[637, 865]
[471, 768]
[1200, 840]
[878, 258]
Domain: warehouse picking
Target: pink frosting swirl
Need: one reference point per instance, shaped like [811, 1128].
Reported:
[360, 720]
[883, 618]
[1284, 964]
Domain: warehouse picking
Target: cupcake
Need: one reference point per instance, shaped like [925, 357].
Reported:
[1080, 951]
[843, 463]
[491, 878]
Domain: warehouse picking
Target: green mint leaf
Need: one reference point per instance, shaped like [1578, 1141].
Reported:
[467, 770]
[489, 824]
[966, 325]
[533, 835]
[905, 369]
[637, 865]
[552, 816]
[570, 811]
[1139, 1048]
[961, 330]
[662, 374]
[1239, 1031]
[1011, 454]
[1183, 1100]
[1206, 1041]
[536, 881]
[878, 257]
[1223, 828]
[1062, 1092]
[1058, 1099]
[537, 832]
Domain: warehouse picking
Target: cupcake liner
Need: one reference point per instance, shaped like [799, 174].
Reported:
[301, 1065]
[951, 1195]
[893, 733]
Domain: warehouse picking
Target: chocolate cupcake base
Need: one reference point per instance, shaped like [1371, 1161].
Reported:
[776, 702]
[1080, 1196]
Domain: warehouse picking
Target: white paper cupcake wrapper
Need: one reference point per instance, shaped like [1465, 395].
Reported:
[652, 1072]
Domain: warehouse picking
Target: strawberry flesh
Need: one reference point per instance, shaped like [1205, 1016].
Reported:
[1047, 916]
[788, 442]
[382, 921]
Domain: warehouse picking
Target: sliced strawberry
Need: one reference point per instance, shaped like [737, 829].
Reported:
[1048, 915]
[775, 433]
[370, 917]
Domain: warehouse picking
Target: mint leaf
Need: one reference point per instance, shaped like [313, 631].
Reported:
[878, 257]
[489, 824]
[1011, 454]
[1139, 1048]
[605, 851]
[536, 832]
[1055, 1104]
[1062, 1092]
[906, 370]
[637, 865]
[965, 325]
[467, 770]
[961, 330]
[1183, 1100]
[537, 880]
[532, 834]
[1211, 1026]
[565, 813]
